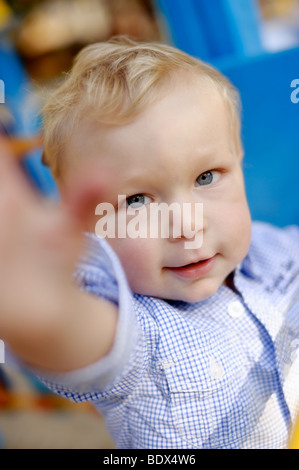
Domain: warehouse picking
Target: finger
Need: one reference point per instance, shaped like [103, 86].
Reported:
[20, 146]
[11, 177]
[90, 187]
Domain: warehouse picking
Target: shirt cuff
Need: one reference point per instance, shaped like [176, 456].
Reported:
[97, 377]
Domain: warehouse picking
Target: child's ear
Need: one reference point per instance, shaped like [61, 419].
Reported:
[239, 153]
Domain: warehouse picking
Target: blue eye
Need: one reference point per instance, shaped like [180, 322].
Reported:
[208, 177]
[137, 201]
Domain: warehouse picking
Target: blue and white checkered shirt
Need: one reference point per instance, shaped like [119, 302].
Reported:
[220, 373]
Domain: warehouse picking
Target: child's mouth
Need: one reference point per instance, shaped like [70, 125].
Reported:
[194, 270]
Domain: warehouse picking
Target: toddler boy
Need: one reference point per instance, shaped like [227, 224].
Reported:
[179, 346]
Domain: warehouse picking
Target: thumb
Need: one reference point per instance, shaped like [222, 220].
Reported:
[88, 188]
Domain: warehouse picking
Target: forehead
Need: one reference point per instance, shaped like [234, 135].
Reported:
[191, 118]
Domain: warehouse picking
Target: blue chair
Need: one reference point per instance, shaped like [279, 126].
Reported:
[228, 36]
[211, 29]
[270, 133]
[17, 93]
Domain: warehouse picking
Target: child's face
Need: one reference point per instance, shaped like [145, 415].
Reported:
[179, 150]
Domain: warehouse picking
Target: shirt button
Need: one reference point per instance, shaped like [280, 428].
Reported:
[235, 309]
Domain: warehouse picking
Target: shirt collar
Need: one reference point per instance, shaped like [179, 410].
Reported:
[249, 268]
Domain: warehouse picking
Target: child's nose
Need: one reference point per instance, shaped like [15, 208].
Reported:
[188, 221]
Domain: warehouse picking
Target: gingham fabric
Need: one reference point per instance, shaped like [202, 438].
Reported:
[221, 373]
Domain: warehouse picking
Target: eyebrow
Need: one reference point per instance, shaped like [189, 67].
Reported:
[136, 179]
[213, 159]
[203, 162]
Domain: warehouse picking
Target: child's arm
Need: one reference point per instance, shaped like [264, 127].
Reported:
[43, 317]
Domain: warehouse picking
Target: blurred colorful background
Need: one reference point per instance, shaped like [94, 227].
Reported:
[254, 42]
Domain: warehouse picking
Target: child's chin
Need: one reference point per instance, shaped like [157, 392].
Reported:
[197, 293]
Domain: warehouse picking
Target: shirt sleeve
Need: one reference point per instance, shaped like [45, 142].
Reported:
[100, 273]
[293, 232]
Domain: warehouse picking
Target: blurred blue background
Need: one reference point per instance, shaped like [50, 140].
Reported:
[233, 36]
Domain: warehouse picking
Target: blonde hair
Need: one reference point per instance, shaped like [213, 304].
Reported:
[113, 82]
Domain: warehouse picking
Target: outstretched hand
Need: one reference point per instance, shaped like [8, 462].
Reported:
[39, 244]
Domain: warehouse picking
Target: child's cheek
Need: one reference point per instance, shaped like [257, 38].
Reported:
[231, 226]
[239, 230]
[137, 259]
